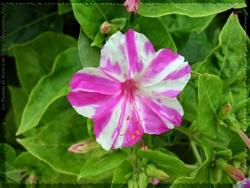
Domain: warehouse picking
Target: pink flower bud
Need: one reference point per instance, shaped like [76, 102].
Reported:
[154, 181]
[83, 147]
[235, 173]
[245, 138]
[105, 28]
[131, 5]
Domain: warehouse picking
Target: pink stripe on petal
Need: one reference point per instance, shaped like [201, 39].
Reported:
[149, 48]
[109, 67]
[101, 122]
[166, 112]
[81, 98]
[134, 64]
[179, 73]
[163, 58]
[134, 130]
[93, 83]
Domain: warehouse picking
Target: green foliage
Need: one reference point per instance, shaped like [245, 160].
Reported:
[45, 126]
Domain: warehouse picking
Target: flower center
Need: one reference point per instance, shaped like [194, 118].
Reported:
[128, 88]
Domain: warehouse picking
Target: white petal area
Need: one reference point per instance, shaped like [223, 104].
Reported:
[172, 84]
[113, 57]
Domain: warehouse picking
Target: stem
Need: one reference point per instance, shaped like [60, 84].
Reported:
[184, 131]
[195, 151]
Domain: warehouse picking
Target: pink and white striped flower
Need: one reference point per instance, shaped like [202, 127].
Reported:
[132, 92]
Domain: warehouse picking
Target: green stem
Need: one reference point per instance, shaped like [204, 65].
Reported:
[184, 131]
[195, 151]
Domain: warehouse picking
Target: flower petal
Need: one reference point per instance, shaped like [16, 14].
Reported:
[124, 56]
[159, 114]
[108, 121]
[130, 131]
[164, 63]
[87, 103]
[173, 83]
[94, 80]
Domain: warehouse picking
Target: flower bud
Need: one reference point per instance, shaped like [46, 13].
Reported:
[235, 173]
[154, 181]
[245, 138]
[131, 5]
[144, 148]
[225, 111]
[83, 147]
[152, 171]
[105, 28]
[32, 179]
[243, 184]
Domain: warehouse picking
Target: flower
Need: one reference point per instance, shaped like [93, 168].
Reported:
[243, 184]
[132, 92]
[131, 5]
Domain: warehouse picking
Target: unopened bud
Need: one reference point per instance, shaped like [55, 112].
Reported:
[245, 138]
[225, 111]
[144, 148]
[32, 179]
[83, 147]
[105, 28]
[235, 173]
[154, 181]
[131, 5]
[152, 171]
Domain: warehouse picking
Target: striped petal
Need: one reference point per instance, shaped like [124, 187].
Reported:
[88, 103]
[94, 80]
[108, 122]
[126, 56]
[164, 63]
[159, 114]
[173, 83]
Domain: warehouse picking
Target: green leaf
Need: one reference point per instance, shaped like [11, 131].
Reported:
[64, 8]
[153, 28]
[91, 16]
[35, 58]
[42, 171]
[89, 56]
[18, 102]
[32, 20]
[165, 162]
[209, 100]
[190, 9]
[51, 144]
[49, 88]
[228, 61]
[99, 167]
[179, 23]
[120, 174]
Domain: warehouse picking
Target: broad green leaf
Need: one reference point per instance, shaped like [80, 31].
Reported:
[191, 9]
[180, 23]
[228, 61]
[209, 100]
[33, 19]
[199, 176]
[171, 164]
[35, 58]
[42, 171]
[153, 28]
[49, 88]
[89, 56]
[104, 165]
[7, 170]
[120, 174]
[51, 144]
[188, 99]
[91, 16]
[64, 8]
[18, 102]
